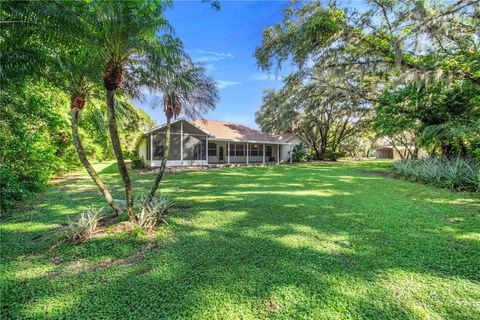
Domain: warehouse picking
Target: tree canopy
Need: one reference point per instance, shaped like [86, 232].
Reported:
[415, 51]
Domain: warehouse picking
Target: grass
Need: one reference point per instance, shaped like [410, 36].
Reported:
[323, 241]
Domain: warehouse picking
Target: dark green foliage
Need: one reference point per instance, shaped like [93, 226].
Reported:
[300, 153]
[333, 156]
[417, 62]
[443, 118]
[33, 142]
[36, 142]
[136, 162]
[455, 174]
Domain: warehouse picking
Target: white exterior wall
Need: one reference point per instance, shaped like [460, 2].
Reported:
[285, 152]
[285, 149]
[142, 150]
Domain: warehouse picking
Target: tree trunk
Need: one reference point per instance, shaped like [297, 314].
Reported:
[117, 148]
[166, 151]
[323, 149]
[91, 171]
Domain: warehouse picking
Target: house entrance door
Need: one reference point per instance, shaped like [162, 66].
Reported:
[220, 154]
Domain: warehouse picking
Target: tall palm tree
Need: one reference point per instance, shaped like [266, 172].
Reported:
[47, 32]
[184, 88]
[126, 32]
[79, 71]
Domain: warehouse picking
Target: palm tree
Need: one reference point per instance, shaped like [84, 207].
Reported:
[184, 88]
[46, 32]
[79, 72]
[126, 33]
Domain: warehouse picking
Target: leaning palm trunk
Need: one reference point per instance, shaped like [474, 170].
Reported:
[166, 152]
[117, 149]
[112, 79]
[77, 104]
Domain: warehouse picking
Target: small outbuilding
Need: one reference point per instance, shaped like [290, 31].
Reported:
[398, 152]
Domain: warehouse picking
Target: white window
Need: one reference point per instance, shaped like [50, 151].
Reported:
[212, 149]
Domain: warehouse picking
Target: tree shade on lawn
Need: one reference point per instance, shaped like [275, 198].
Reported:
[310, 241]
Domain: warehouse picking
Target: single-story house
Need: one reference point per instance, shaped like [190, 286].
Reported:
[397, 153]
[205, 142]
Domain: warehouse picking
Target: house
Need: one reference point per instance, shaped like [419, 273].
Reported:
[397, 153]
[206, 142]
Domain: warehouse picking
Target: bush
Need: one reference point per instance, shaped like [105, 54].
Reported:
[150, 212]
[35, 138]
[299, 153]
[146, 219]
[137, 163]
[25, 167]
[333, 156]
[455, 174]
[87, 223]
[311, 154]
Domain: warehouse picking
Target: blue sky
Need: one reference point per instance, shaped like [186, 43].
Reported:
[225, 41]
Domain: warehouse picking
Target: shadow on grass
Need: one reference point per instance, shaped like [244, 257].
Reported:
[289, 241]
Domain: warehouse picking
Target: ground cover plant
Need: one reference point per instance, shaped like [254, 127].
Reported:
[455, 173]
[319, 241]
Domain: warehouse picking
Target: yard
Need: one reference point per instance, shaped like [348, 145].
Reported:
[317, 241]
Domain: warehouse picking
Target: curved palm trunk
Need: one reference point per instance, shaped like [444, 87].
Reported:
[117, 148]
[166, 152]
[91, 171]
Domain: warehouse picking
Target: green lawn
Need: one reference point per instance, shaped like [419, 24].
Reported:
[314, 241]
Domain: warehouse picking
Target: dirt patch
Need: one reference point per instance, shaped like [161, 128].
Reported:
[377, 173]
[453, 220]
[108, 222]
[70, 178]
[272, 306]
[80, 266]
[110, 227]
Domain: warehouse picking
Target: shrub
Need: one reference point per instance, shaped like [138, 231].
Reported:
[137, 163]
[333, 156]
[146, 219]
[151, 212]
[311, 154]
[299, 153]
[455, 174]
[87, 223]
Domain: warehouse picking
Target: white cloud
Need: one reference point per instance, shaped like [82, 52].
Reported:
[266, 77]
[209, 66]
[221, 84]
[209, 56]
